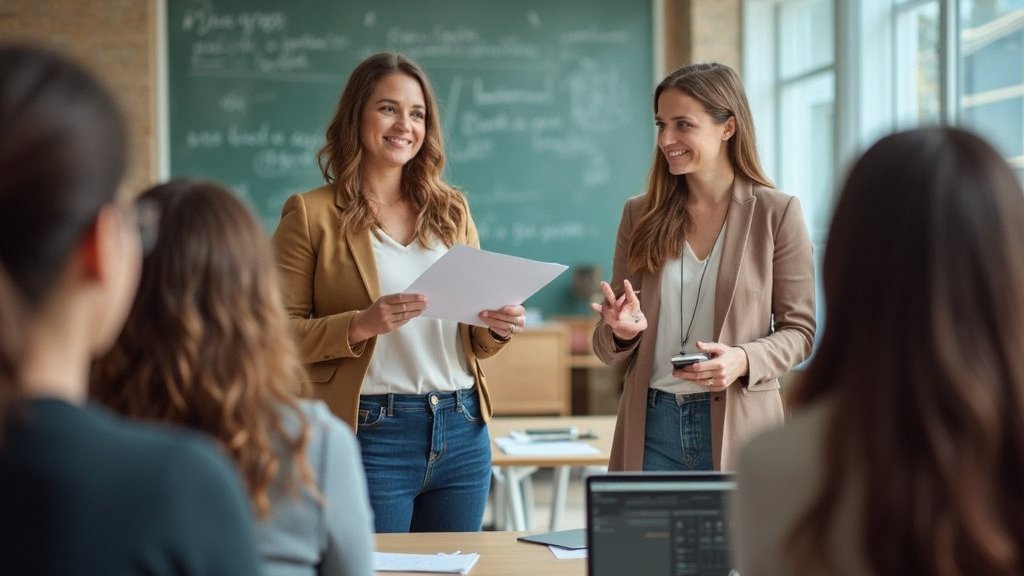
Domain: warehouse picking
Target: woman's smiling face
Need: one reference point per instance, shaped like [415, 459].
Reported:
[688, 136]
[394, 122]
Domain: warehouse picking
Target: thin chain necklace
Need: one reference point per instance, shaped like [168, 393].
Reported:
[377, 219]
[384, 204]
[684, 339]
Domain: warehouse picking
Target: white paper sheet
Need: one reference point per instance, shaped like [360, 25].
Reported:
[456, 563]
[467, 281]
[513, 448]
[566, 554]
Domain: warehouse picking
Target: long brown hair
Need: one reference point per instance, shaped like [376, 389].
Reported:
[922, 358]
[206, 344]
[441, 209]
[662, 226]
[62, 157]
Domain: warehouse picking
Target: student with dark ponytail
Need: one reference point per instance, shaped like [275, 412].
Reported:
[81, 491]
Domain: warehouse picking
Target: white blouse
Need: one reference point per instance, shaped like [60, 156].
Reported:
[424, 355]
[672, 324]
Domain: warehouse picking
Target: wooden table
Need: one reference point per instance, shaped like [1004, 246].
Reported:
[500, 553]
[511, 471]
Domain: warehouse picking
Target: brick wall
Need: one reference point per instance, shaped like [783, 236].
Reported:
[114, 38]
[702, 31]
[716, 35]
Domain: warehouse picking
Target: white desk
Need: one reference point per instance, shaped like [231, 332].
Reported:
[511, 473]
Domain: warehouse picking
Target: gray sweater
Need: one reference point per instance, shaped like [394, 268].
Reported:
[332, 536]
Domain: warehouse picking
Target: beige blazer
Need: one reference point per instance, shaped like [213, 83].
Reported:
[327, 276]
[764, 303]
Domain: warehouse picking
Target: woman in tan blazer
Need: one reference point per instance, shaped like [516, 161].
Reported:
[411, 386]
[711, 260]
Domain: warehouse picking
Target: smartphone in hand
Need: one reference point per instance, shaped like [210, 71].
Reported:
[682, 360]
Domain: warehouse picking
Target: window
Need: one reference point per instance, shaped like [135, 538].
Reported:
[790, 78]
[992, 73]
[827, 78]
[917, 63]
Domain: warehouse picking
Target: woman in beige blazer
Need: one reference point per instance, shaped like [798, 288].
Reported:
[710, 260]
[411, 386]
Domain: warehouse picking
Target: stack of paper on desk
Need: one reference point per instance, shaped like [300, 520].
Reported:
[466, 281]
[513, 448]
[433, 563]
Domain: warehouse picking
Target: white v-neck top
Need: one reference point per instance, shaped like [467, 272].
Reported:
[424, 355]
[672, 324]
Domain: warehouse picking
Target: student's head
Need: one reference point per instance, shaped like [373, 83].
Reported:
[388, 117]
[62, 159]
[206, 344]
[922, 353]
[67, 242]
[702, 116]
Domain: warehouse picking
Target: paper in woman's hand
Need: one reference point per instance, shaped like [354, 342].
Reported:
[467, 281]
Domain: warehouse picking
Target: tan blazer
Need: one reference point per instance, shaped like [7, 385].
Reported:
[764, 303]
[327, 276]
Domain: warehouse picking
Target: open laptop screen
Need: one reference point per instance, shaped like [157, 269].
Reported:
[672, 524]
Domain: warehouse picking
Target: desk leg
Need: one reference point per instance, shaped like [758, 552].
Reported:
[499, 516]
[514, 500]
[561, 489]
[526, 489]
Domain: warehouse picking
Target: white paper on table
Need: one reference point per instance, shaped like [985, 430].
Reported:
[440, 563]
[567, 554]
[466, 281]
[513, 448]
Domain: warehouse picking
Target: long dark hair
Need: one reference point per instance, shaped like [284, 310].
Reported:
[922, 358]
[11, 330]
[206, 344]
[441, 210]
[62, 158]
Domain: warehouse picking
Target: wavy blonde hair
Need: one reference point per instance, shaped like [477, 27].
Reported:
[206, 344]
[662, 226]
[441, 209]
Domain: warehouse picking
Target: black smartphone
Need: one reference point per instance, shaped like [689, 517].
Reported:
[683, 360]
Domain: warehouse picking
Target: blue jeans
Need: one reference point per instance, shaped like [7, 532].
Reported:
[678, 432]
[427, 459]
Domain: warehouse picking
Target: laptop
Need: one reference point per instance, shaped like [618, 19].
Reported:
[659, 524]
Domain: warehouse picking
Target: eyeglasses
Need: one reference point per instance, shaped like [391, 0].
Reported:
[146, 213]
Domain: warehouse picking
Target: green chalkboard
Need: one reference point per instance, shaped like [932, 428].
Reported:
[546, 106]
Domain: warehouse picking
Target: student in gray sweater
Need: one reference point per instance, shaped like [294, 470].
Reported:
[83, 492]
[207, 346]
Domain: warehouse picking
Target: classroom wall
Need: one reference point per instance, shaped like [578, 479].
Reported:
[702, 31]
[117, 38]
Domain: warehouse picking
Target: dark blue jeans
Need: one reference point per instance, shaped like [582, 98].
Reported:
[427, 459]
[678, 432]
